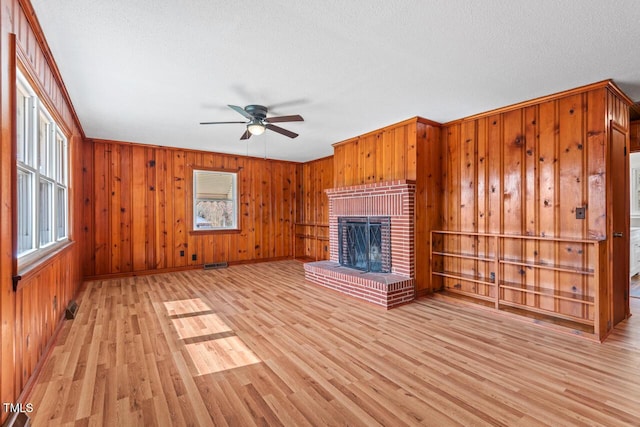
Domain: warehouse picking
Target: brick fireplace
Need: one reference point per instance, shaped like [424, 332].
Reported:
[394, 200]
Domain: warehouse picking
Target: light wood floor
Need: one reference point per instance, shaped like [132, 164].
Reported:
[257, 345]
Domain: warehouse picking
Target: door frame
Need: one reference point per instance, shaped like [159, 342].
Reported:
[614, 264]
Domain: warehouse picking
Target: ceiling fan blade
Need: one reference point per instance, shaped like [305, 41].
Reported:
[287, 104]
[219, 123]
[281, 131]
[246, 135]
[280, 119]
[241, 111]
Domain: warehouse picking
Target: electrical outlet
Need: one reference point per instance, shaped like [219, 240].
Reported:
[194, 257]
[581, 213]
[181, 253]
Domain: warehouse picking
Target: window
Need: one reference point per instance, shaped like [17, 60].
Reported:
[215, 204]
[42, 192]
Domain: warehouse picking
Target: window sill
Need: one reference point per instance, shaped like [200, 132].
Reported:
[33, 263]
[218, 231]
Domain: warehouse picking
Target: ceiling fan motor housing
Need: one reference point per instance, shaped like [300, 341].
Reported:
[257, 111]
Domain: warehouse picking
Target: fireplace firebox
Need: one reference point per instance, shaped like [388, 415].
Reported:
[364, 243]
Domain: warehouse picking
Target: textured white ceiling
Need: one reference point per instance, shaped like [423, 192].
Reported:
[149, 71]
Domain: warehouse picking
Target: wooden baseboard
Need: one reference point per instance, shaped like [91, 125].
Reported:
[177, 269]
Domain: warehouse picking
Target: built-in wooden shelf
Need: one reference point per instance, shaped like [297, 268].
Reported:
[556, 278]
[311, 241]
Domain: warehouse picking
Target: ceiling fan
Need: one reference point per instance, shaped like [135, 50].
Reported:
[259, 122]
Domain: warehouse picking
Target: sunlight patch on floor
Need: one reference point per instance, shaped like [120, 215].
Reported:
[211, 355]
[186, 306]
[220, 354]
[197, 326]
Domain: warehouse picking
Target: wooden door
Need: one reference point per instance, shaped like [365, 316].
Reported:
[634, 137]
[619, 172]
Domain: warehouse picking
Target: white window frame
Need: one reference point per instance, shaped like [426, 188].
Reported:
[197, 224]
[42, 162]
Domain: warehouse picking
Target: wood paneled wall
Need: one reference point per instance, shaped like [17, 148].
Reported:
[138, 209]
[312, 211]
[429, 197]
[525, 170]
[409, 150]
[385, 154]
[30, 316]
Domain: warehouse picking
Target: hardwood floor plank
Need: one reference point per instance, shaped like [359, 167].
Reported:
[256, 344]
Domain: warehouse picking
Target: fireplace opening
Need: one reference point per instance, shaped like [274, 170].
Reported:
[365, 243]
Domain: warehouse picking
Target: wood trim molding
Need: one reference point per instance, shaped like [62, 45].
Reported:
[181, 268]
[35, 267]
[13, 153]
[43, 96]
[609, 84]
[185, 149]
[32, 19]
[416, 119]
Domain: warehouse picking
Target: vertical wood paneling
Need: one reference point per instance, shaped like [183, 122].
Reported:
[194, 244]
[482, 221]
[101, 187]
[125, 206]
[453, 201]
[400, 151]
[428, 203]
[368, 154]
[531, 200]
[512, 202]
[386, 154]
[596, 164]
[86, 219]
[179, 231]
[466, 165]
[572, 176]
[160, 211]
[411, 147]
[388, 150]
[312, 219]
[142, 204]
[115, 222]
[149, 218]
[494, 159]
[535, 165]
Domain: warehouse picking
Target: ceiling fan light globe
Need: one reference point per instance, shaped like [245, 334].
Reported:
[256, 128]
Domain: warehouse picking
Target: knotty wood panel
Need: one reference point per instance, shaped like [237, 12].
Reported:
[566, 143]
[386, 154]
[40, 303]
[142, 208]
[536, 164]
[312, 217]
[428, 205]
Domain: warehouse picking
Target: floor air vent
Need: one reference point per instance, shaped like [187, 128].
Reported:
[215, 265]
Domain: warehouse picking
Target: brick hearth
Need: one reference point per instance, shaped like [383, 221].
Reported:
[395, 199]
